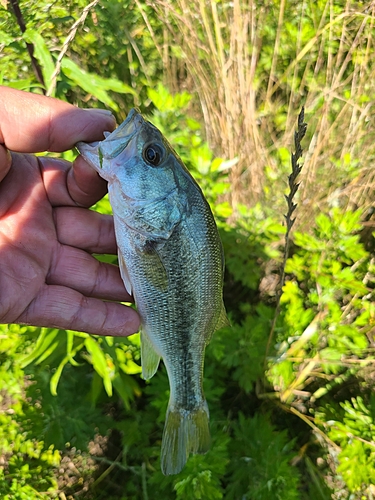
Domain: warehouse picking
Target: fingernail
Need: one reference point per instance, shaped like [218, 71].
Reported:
[100, 111]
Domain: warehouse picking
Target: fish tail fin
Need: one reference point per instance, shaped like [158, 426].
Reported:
[184, 432]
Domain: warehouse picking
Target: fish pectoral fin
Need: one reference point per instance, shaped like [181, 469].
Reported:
[149, 357]
[124, 273]
[185, 432]
[154, 270]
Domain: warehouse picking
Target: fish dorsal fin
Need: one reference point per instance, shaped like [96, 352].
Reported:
[221, 322]
[149, 357]
[124, 273]
[222, 319]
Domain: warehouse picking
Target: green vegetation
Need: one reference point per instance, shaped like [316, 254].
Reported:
[290, 384]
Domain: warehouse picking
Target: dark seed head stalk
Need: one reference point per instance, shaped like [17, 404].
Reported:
[289, 219]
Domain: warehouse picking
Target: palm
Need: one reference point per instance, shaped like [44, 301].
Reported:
[27, 238]
[48, 276]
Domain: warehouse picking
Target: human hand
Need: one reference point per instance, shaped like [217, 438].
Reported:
[48, 276]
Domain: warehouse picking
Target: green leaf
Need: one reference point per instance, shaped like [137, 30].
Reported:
[165, 101]
[114, 85]
[43, 344]
[5, 38]
[85, 81]
[223, 210]
[56, 376]
[70, 352]
[42, 54]
[99, 363]
[308, 242]
[126, 387]
[88, 82]
[67, 359]
[22, 84]
[324, 224]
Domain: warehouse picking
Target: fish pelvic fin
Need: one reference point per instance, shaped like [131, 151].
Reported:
[185, 432]
[124, 274]
[149, 357]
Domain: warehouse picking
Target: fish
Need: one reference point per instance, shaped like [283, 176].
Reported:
[171, 260]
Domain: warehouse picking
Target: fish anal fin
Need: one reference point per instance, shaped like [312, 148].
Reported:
[149, 357]
[185, 432]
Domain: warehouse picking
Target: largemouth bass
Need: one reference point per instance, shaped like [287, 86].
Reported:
[171, 260]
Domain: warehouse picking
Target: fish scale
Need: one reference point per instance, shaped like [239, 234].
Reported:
[171, 260]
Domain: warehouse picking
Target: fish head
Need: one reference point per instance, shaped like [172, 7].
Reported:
[137, 159]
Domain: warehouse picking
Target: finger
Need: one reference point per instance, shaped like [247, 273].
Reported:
[60, 307]
[32, 123]
[85, 186]
[5, 162]
[77, 269]
[86, 229]
[71, 185]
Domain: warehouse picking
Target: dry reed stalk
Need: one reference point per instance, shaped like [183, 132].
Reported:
[250, 91]
[224, 79]
[68, 41]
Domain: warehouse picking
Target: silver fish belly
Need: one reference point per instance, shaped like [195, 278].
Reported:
[171, 260]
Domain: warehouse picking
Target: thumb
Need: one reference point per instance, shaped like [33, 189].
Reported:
[31, 123]
[5, 162]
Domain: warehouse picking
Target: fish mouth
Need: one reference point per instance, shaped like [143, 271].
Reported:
[114, 143]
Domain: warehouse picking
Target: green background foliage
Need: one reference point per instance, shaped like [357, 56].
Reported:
[290, 388]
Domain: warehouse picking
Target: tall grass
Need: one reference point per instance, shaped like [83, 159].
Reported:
[254, 63]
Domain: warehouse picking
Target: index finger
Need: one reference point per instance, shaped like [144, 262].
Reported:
[32, 123]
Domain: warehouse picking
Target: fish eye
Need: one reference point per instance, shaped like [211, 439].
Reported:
[153, 154]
